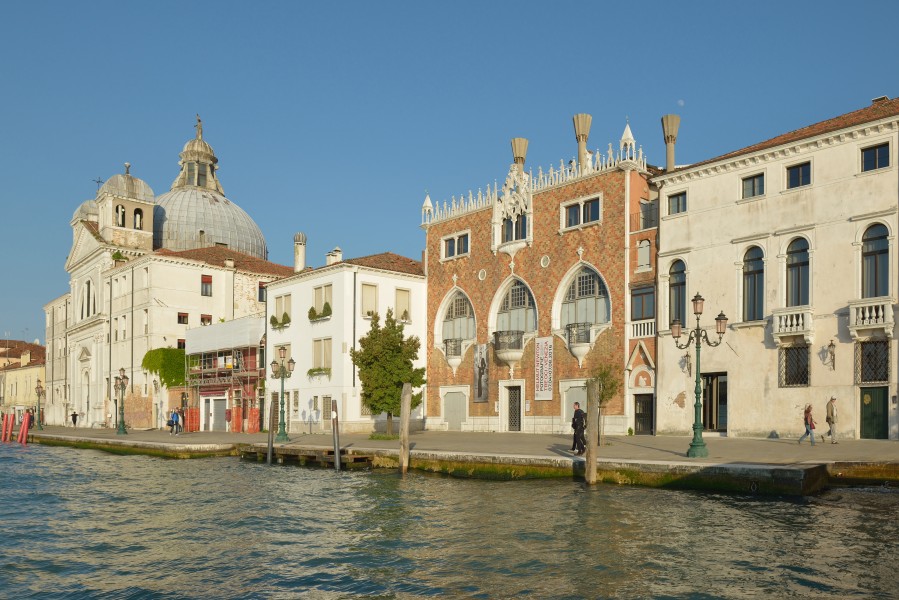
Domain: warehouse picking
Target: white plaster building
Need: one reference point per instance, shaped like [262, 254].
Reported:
[794, 239]
[142, 270]
[320, 343]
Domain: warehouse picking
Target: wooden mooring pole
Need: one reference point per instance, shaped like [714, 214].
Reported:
[405, 409]
[335, 431]
[592, 429]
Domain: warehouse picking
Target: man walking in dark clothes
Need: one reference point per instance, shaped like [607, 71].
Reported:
[579, 423]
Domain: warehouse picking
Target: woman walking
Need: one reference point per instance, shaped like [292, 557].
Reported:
[809, 425]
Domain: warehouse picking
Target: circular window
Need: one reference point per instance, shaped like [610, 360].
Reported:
[544, 261]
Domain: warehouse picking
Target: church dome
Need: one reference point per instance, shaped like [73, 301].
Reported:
[191, 217]
[196, 213]
[86, 212]
[126, 186]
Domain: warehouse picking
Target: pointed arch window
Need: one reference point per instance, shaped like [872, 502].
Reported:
[677, 292]
[517, 311]
[458, 324]
[753, 285]
[875, 262]
[586, 300]
[797, 273]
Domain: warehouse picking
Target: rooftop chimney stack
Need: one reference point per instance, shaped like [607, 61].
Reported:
[299, 252]
[519, 152]
[670, 123]
[334, 256]
[582, 124]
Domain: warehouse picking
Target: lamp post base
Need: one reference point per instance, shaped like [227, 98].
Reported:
[282, 437]
[698, 450]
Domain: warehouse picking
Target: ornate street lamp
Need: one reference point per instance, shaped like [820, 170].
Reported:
[282, 371]
[121, 384]
[39, 390]
[698, 335]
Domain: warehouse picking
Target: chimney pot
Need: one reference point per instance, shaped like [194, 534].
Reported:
[670, 125]
[519, 151]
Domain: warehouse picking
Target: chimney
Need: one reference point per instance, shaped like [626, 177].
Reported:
[299, 252]
[519, 152]
[670, 123]
[334, 256]
[582, 124]
[229, 263]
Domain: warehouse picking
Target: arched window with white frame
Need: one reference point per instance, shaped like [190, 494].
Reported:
[754, 284]
[798, 273]
[875, 262]
[585, 304]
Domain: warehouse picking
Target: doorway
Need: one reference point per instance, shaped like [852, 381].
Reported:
[454, 410]
[514, 393]
[714, 402]
[643, 414]
[874, 417]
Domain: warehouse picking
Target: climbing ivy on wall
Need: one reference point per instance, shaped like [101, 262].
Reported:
[167, 364]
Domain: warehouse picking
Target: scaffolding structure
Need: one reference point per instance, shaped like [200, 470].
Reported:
[227, 359]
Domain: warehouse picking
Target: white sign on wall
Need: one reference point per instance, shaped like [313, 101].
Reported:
[543, 369]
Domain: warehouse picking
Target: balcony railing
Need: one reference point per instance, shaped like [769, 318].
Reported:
[452, 347]
[871, 313]
[578, 333]
[508, 340]
[643, 329]
[647, 218]
[793, 320]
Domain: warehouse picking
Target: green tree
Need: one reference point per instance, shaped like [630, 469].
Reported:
[384, 360]
[607, 384]
[167, 364]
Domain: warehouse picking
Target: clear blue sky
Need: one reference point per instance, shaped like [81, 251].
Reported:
[334, 118]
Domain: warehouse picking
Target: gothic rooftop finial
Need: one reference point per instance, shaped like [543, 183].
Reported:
[199, 127]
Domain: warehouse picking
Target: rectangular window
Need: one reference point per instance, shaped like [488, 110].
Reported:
[369, 299]
[872, 362]
[321, 354]
[515, 229]
[794, 366]
[182, 318]
[754, 186]
[282, 307]
[262, 295]
[799, 175]
[876, 157]
[320, 296]
[182, 344]
[591, 210]
[206, 285]
[677, 203]
[456, 245]
[403, 307]
[205, 319]
[572, 215]
[643, 304]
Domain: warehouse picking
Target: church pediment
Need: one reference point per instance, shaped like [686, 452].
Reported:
[84, 355]
[86, 244]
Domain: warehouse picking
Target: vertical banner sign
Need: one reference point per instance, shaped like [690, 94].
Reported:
[480, 373]
[543, 369]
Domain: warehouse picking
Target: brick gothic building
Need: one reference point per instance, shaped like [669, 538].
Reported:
[533, 285]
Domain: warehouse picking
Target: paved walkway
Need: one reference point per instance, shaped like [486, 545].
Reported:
[665, 449]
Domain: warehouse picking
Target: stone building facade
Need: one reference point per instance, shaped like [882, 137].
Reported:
[794, 239]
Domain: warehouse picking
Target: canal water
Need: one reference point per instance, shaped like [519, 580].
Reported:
[86, 524]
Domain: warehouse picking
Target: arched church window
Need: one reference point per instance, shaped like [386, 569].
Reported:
[138, 218]
[120, 216]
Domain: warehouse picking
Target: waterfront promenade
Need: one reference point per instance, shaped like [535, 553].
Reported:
[734, 464]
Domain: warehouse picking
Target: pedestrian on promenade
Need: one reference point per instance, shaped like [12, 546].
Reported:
[174, 429]
[809, 425]
[579, 423]
[74, 419]
[831, 420]
[181, 419]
